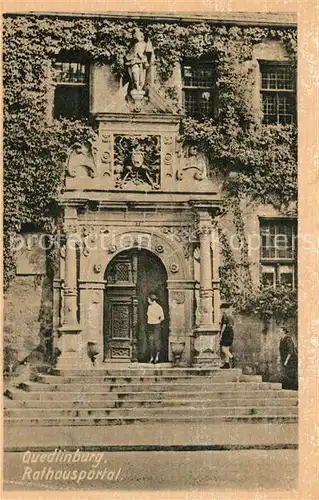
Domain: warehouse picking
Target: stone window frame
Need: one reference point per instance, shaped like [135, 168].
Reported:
[199, 88]
[280, 265]
[282, 96]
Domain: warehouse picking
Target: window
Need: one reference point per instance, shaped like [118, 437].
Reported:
[278, 93]
[71, 97]
[199, 89]
[278, 251]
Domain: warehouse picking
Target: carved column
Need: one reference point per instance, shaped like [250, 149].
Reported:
[70, 293]
[69, 344]
[215, 269]
[205, 291]
[206, 342]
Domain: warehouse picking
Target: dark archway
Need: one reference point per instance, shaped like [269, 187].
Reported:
[131, 276]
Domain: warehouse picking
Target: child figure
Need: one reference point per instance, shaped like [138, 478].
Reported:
[227, 333]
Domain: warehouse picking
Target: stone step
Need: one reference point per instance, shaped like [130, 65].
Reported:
[172, 386]
[107, 421]
[154, 403]
[145, 412]
[18, 394]
[146, 369]
[150, 379]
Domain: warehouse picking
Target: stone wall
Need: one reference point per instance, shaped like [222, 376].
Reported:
[247, 342]
[28, 306]
[256, 346]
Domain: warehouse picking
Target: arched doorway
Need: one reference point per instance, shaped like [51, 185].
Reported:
[131, 276]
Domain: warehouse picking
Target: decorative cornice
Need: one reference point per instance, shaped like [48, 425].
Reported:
[164, 118]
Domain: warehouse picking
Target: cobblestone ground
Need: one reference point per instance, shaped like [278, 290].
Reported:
[198, 470]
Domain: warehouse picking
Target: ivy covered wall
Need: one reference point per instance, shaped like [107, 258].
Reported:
[257, 163]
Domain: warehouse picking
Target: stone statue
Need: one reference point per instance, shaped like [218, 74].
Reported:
[138, 61]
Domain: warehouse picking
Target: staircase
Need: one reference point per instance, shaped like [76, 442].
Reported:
[104, 397]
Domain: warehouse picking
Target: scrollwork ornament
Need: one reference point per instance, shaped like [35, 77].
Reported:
[82, 156]
[194, 162]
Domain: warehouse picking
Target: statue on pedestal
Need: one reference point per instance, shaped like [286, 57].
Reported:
[138, 61]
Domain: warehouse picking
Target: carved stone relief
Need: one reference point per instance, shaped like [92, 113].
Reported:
[81, 160]
[178, 297]
[168, 155]
[92, 237]
[159, 248]
[186, 235]
[106, 154]
[193, 163]
[174, 268]
[137, 161]
[97, 268]
[70, 228]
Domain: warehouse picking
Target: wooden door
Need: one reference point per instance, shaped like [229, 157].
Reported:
[121, 309]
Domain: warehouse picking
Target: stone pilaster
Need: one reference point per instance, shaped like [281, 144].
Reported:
[206, 342]
[70, 329]
[92, 317]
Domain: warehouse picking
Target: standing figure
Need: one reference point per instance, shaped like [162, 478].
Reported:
[137, 62]
[155, 316]
[289, 360]
[227, 334]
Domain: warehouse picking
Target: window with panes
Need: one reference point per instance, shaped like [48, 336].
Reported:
[278, 93]
[199, 89]
[278, 252]
[71, 96]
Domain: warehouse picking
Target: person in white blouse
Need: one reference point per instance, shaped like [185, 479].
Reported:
[155, 317]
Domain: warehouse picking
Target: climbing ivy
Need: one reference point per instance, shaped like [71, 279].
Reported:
[33, 176]
[267, 303]
[262, 159]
